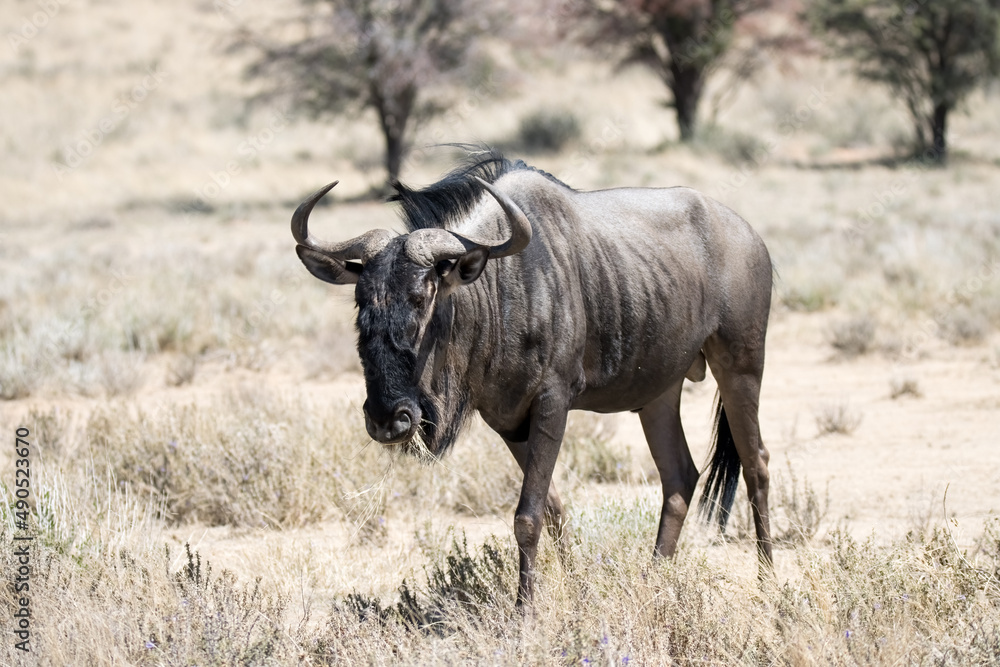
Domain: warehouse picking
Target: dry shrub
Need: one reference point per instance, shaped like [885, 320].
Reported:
[20, 365]
[50, 430]
[964, 326]
[810, 295]
[258, 459]
[837, 418]
[251, 459]
[129, 608]
[479, 477]
[904, 386]
[459, 586]
[548, 131]
[796, 509]
[920, 600]
[733, 146]
[589, 452]
[181, 370]
[121, 373]
[86, 331]
[16, 379]
[853, 336]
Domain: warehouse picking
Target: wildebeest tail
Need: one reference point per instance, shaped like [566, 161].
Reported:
[724, 472]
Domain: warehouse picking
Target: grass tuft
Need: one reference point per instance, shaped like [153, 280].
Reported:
[733, 146]
[904, 386]
[799, 510]
[181, 370]
[548, 131]
[854, 336]
[837, 418]
[964, 326]
[589, 452]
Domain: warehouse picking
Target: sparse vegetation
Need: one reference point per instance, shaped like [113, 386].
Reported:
[480, 478]
[589, 452]
[240, 462]
[734, 147]
[120, 373]
[798, 511]
[798, 508]
[964, 326]
[838, 418]
[904, 386]
[853, 336]
[909, 601]
[181, 370]
[548, 130]
[809, 298]
[17, 377]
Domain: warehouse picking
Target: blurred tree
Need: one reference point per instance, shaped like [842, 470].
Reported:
[931, 53]
[380, 54]
[682, 41]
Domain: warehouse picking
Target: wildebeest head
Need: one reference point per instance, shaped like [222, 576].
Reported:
[404, 313]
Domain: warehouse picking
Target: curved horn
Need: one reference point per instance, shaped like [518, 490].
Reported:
[362, 247]
[427, 247]
[520, 226]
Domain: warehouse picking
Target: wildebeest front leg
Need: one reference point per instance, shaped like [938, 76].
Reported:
[548, 423]
[555, 514]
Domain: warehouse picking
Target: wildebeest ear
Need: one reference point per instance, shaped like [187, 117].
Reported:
[328, 269]
[464, 270]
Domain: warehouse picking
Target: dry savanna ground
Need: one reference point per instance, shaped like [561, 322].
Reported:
[203, 491]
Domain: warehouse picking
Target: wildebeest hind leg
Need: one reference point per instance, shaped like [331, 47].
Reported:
[555, 514]
[739, 376]
[661, 422]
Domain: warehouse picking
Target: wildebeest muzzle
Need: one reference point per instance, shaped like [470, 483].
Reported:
[392, 425]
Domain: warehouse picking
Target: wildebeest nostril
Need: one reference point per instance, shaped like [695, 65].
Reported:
[390, 427]
[402, 421]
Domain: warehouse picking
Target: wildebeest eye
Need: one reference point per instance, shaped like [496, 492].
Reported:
[421, 295]
[418, 299]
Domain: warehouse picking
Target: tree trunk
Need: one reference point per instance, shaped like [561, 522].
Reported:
[393, 115]
[683, 74]
[395, 150]
[687, 84]
[938, 151]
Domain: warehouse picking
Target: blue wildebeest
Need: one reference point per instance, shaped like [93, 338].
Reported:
[516, 296]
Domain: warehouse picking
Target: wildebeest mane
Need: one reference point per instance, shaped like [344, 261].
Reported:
[453, 197]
